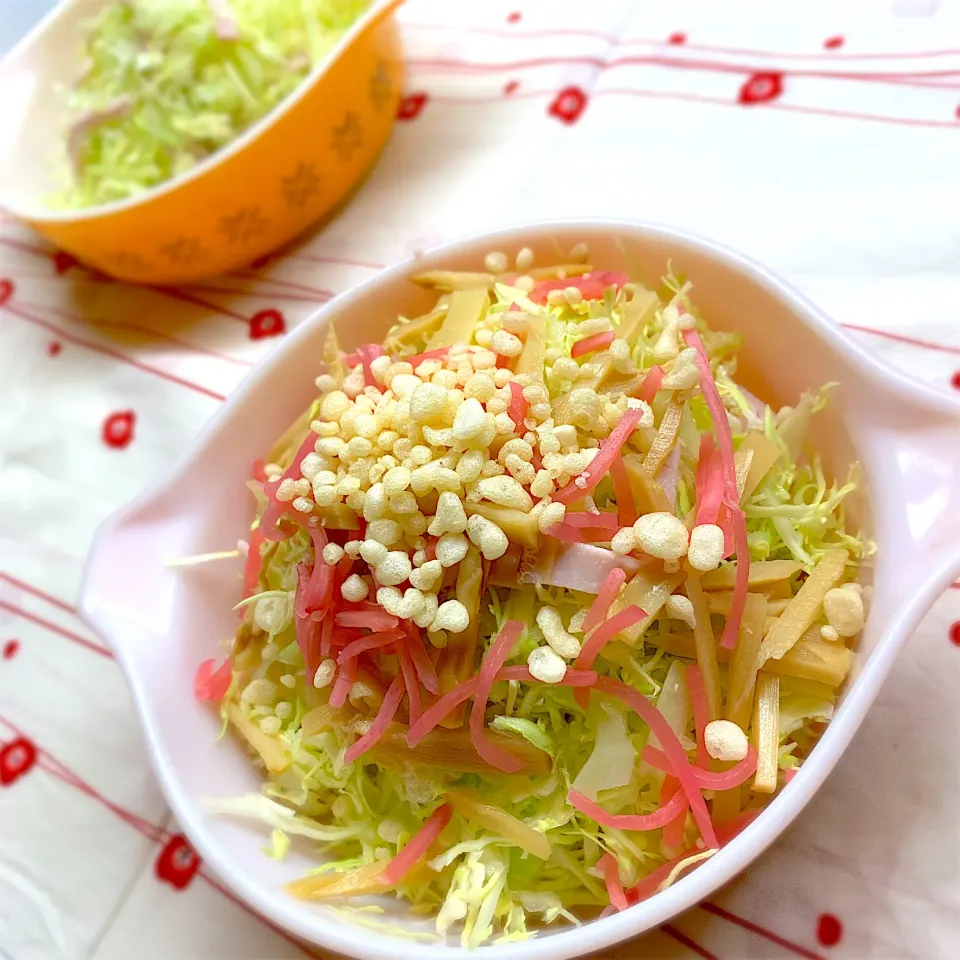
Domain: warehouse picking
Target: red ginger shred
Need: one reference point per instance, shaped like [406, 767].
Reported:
[649, 884]
[438, 353]
[672, 748]
[721, 426]
[518, 404]
[663, 815]
[494, 659]
[591, 344]
[701, 715]
[371, 642]
[418, 845]
[450, 701]
[709, 481]
[601, 606]
[251, 568]
[569, 533]
[376, 619]
[651, 384]
[738, 774]
[346, 676]
[212, 683]
[385, 715]
[585, 519]
[368, 353]
[611, 879]
[592, 286]
[626, 505]
[601, 636]
[426, 671]
[580, 486]
[673, 831]
[412, 684]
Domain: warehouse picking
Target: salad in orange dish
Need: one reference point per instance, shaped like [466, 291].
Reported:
[541, 606]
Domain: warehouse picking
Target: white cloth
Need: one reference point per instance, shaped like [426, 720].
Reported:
[845, 182]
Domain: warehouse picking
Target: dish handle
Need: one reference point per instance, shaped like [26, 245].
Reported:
[914, 455]
[124, 598]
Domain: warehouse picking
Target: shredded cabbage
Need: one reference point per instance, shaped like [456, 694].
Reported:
[477, 885]
[167, 83]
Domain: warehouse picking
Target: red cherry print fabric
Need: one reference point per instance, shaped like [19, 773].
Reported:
[411, 106]
[568, 105]
[761, 88]
[177, 863]
[829, 930]
[16, 760]
[267, 323]
[117, 429]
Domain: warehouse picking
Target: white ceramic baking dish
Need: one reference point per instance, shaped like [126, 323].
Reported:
[162, 622]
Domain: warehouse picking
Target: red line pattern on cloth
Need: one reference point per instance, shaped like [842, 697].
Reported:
[677, 63]
[903, 338]
[146, 331]
[159, 835]
[761, 931]
[54, 628]
[688, 942]
[176, 293]
[37, 592]
[715, 101]
[336, 261]
[614, 41]
[250, 293]
[110, 352]
[321, 295]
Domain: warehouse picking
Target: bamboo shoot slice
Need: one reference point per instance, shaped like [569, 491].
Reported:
[453, 280]
[745, 662]
[706, 645]
[811, 658]
[472, 807]
[766, 733]
[530, 361]
[415, 329]
[338, 516]
[721, 600]
[452, 750]
[553, 273]
[466, 309]
[333, 357]
[648, 493]
[519, 527]
[358, 882]
[269, 748]
[761, 572]
[742, 461]
[637, 313]
[665, 439]
[650, 595]
[805, 607]
[765, 455]
[458, 658]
